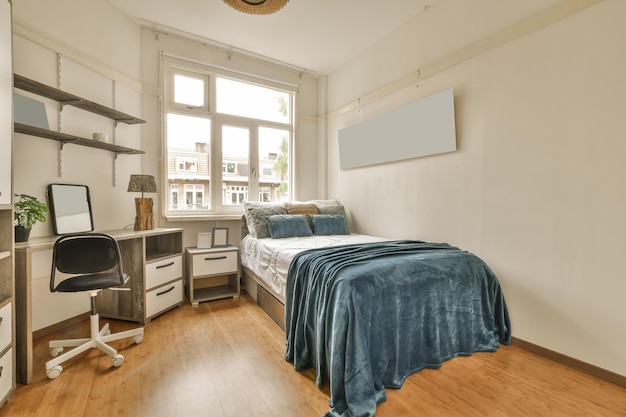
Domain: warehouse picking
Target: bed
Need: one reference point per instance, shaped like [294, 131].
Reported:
[366, 312]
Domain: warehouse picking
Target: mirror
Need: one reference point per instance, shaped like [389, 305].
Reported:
[70, 208]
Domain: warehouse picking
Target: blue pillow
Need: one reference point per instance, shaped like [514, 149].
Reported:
[288, 225]
[329, 224]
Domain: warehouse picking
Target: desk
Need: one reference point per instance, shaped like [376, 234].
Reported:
[152, 259]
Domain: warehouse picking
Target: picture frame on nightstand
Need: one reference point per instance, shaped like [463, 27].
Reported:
[204, 240]
[219, 237]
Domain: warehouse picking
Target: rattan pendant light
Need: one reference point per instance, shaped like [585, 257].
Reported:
[257, 6]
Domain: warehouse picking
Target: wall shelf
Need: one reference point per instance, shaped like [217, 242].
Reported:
[67, 99]
[76, 140]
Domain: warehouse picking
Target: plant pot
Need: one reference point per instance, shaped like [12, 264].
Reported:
[21, 234]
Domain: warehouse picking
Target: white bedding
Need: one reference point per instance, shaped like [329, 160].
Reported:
[269, 259]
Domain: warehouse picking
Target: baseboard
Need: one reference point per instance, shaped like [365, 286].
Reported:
[576, 364]
[60, 325]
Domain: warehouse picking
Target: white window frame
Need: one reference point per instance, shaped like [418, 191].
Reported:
[214, 195]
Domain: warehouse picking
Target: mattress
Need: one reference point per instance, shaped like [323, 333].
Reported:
[269, 259]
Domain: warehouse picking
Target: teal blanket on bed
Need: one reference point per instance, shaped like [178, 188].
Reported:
[367, 316]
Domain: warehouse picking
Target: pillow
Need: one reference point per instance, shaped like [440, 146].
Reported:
[256, 217]
[324, 202]
[329, 224]
[301, 208]
[334, 210]
[288, 225]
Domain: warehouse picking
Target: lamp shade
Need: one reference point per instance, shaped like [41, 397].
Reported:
[142, 184]
[257, 6]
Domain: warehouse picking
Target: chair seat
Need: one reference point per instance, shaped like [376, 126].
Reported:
[90, 282]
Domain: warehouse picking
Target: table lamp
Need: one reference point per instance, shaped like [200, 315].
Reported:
[144, 219]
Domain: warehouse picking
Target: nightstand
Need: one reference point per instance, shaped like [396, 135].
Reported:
[211, 273]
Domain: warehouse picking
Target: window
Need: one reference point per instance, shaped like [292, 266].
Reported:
[228, 139]
[194, 196]
[187, 164]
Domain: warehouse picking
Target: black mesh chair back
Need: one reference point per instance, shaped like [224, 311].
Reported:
[94, 259]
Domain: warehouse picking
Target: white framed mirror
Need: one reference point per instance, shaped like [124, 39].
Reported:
[70, 208]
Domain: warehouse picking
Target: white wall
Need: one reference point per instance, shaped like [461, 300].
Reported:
[537, 186]
[99, 60]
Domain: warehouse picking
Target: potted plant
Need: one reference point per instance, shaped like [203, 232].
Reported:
[27, 211]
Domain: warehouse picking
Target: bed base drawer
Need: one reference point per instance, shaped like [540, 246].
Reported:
[274, 308]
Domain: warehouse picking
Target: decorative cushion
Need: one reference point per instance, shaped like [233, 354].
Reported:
[244, 227]
[289, 225]
[336, 209]
[301, 208]
[329, 224]
[256, 217]
[324, 202]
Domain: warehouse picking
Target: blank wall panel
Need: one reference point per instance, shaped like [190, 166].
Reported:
[423, 127]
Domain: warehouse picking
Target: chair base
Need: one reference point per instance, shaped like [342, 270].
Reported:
[98, 339]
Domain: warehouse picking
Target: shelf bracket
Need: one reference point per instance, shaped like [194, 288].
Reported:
[61, 159]
[61, 145]
[115, 169]
[68, 103]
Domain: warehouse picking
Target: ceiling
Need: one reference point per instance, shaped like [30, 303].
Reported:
[316, 36]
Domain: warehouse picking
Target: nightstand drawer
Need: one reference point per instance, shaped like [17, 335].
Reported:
[160, 272]
[5, 326]
[164, 297]
[6, 373]
[213, 263]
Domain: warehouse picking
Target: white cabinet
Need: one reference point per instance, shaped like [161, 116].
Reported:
[6, 331]
[212, 273]
[6, 374]
[6, 352]
[164, 298]
[164, 284]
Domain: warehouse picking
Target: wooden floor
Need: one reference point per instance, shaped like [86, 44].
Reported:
[225, 359]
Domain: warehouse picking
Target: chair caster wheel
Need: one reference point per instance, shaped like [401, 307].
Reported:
[138, 339]
[55, 351]
[54, 372]
[117, 360]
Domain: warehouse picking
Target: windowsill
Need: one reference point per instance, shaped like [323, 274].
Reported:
[203, 217]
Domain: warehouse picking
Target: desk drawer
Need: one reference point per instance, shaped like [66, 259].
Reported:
[5, 326]
[164, 297]
[160, 272]
[6, 373]
[214, 263]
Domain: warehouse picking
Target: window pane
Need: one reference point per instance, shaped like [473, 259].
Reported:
[235, 165]
[273, 164]
[188, 90]
[188, 156]
[249, 100]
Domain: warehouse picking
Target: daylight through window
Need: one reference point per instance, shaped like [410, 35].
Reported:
[219, 157]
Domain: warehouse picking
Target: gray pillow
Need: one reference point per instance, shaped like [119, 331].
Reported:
[256, 218]
[334, 209]
[290, 225]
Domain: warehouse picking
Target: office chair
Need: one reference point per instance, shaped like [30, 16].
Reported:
[87, 262]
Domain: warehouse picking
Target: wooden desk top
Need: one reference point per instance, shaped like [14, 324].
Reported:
[47, 242]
